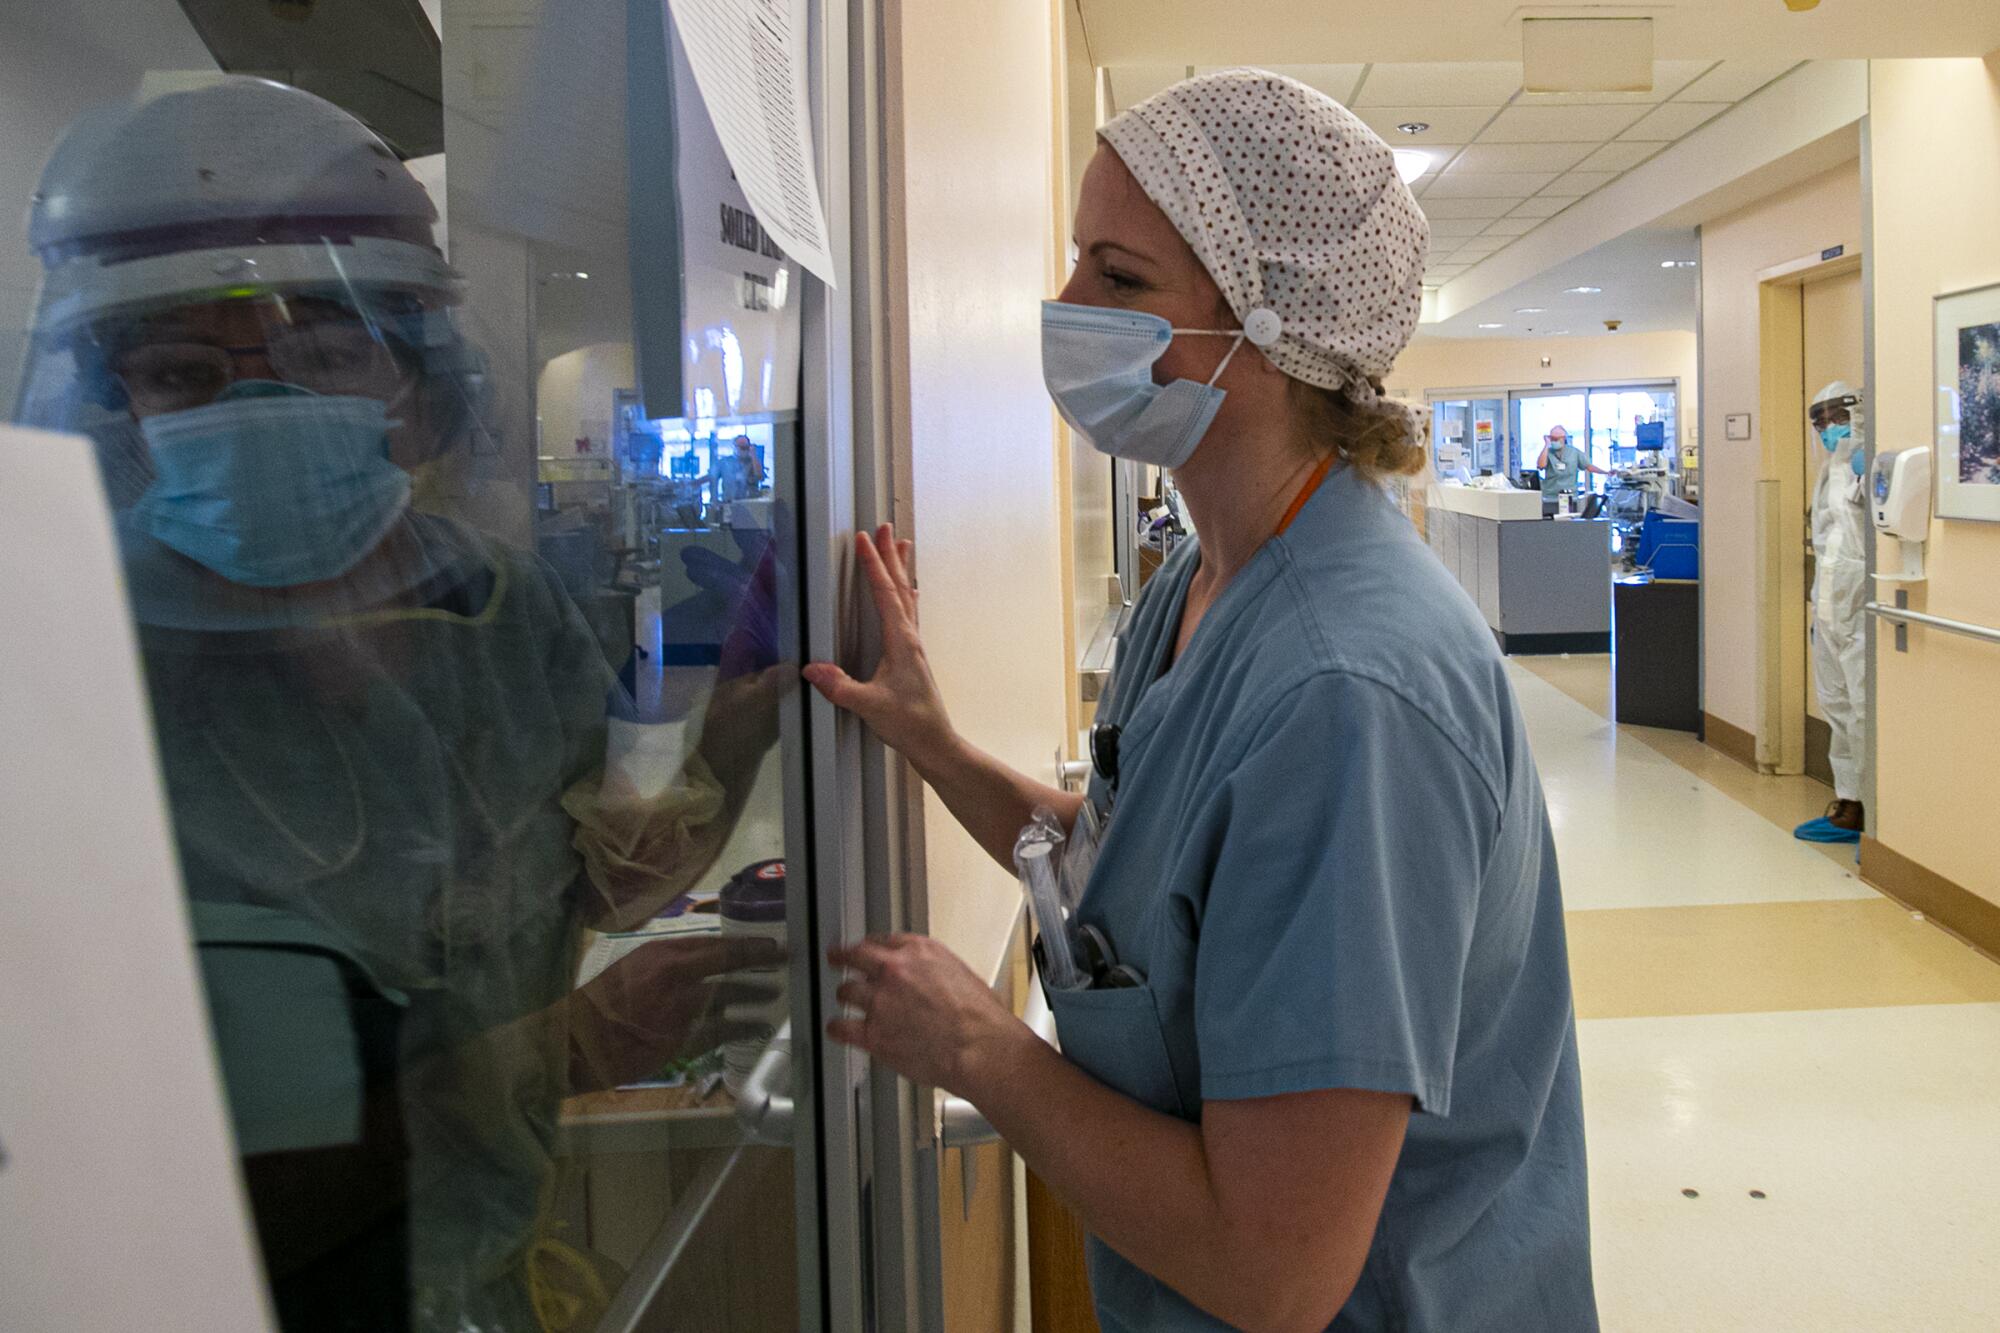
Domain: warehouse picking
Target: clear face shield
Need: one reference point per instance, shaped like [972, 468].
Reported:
[108, 377]
[261, 447]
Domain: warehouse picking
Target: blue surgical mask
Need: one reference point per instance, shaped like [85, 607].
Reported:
[271, 485]
[1098, 365]
[1831, 436]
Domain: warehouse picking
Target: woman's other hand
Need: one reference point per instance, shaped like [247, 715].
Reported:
[900, 702]
[917, 1008]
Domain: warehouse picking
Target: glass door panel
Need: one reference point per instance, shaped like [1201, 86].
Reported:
[462, 540]
[1634, 427]
[1536, 414]
[1469, 435]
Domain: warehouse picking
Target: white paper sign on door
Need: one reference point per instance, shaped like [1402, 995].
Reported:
[749, 59]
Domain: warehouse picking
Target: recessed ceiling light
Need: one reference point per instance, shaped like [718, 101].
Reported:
[1411, 163]
[1414, 126]
[1557, 333]
[1677, 263]
[1492, 326]
[1583, 291]
[1529, 310]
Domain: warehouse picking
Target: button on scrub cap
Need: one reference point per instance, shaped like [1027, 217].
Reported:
[1295, 208]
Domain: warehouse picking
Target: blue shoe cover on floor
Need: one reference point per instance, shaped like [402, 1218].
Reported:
[1824, 830]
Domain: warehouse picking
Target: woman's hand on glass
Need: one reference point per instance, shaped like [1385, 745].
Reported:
[900, 702]
[913, 1005]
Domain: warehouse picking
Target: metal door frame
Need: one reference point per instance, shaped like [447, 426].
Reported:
[879, 1263]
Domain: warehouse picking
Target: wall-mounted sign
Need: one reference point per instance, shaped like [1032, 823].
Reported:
[1736, 426]
[1482, 430]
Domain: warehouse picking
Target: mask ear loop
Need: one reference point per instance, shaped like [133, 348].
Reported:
[1230, 356]
[1261, 328]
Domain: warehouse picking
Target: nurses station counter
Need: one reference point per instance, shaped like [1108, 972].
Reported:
[1544, 585]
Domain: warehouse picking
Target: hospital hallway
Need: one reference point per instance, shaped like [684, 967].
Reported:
[1789, 1080]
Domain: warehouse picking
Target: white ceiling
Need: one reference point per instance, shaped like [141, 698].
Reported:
[1503, 160]
[1636, 291]
[1184, 32]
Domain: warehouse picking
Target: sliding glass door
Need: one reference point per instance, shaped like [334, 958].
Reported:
[510, 842]
[1631, 430]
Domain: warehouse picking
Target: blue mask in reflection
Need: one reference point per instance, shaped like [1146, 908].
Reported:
[272, 485]
[1098, 365]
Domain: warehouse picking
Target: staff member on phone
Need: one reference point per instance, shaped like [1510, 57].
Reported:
[1563, 463]
[1331, 1078]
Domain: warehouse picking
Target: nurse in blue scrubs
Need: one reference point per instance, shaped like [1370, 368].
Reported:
[1344, 1092]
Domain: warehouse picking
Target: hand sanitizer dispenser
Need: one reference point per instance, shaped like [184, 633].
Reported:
[1899, 496]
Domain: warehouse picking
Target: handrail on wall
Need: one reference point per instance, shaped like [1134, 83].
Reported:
[1905, 616]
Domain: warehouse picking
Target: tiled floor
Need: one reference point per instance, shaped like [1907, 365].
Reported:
[1754, 1018]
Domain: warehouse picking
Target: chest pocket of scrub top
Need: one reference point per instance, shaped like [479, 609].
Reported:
[1114, 1035]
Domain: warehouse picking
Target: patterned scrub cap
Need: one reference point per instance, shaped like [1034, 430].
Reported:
[1295, 209]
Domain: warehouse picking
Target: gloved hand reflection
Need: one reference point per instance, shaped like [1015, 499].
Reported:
[666, 1001]
[750, 588]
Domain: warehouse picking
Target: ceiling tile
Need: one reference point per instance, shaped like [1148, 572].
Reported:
[1336, 81]
[1560, 124]
[1734, 80]
[1455, 229]
[1447, 124]
[1577, 183]
[1617, 157]
[1445, 274]
[1675, 120]
[1487, 157]
[1669, 77]
[1132, 84]
[1512, 226]
[1489, 184]
[1450, 84]
[1484, 209]
[1541, 206]
[1482, 247]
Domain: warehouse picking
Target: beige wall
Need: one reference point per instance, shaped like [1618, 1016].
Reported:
[1805, 219]
[1935, 126]
[972, 95]
[1463, 363]
[573, 397]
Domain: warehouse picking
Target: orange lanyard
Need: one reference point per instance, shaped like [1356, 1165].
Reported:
[1305, 493]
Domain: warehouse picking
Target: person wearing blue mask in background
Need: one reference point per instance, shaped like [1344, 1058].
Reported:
[1563, 464]
[382, 731]
[1332, 1079]
[1840, 535]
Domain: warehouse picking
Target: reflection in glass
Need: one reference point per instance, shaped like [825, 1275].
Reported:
[456, 779]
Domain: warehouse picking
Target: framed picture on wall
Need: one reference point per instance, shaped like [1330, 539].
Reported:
[1967, 362]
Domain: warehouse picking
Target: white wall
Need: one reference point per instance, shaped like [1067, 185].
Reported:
[1804, 219]
[1935, 126]
[972, 97]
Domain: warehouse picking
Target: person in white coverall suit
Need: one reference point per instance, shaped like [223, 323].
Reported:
[1840, 534]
